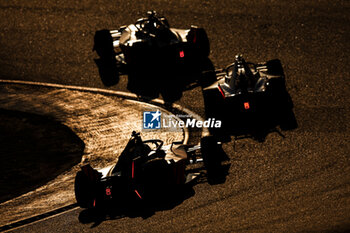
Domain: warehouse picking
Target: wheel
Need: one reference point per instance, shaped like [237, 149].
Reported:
[199, 38]
[103, 44]
[275, 67]
[107, 64]
[108, 71]
[211, 158]
[85, 192]
[214, 108]
[207, 70]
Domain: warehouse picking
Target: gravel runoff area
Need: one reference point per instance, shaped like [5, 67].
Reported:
[49, 131]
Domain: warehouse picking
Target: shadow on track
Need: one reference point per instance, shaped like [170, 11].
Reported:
[256, 125]
[159, 200]
[136, 208]
[34, 150]
[167, 80]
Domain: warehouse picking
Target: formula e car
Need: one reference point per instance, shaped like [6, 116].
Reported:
[151, 53]
[145, 170]
[249, 96]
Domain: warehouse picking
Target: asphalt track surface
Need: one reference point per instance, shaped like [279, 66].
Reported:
[294, 184]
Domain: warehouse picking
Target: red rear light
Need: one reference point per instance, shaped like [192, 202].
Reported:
[132, 169]
[182, 53]
[138, 194]
[246, 105]
[222, 92]
[108, 191]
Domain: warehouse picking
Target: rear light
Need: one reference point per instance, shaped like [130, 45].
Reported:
[108, 191]
[222, 92]
[246, 105]
[182, 54]
[132, 169]
[137, 193]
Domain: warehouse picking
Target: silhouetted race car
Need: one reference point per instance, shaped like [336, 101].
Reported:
[250, 96]
[151, 53]
[145, 170]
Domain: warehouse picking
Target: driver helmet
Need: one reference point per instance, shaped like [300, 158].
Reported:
[152, 19]
[242, 73]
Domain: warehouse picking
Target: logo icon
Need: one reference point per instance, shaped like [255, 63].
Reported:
[151, 119]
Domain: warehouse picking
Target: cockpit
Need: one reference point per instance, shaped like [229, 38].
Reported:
[239, 76]
[155, 27]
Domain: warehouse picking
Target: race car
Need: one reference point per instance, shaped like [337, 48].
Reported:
[250, 97]
[145, 170]
[153, 55]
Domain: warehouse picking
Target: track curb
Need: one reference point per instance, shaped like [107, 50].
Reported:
[121, 94]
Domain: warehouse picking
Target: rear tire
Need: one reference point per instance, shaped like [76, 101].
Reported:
[108, 71]
[107, 64]
[85, 192]
[214, 106]
[103, 44]
[275, 67]
[211, 158]
[208, 75]
[199, 38]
